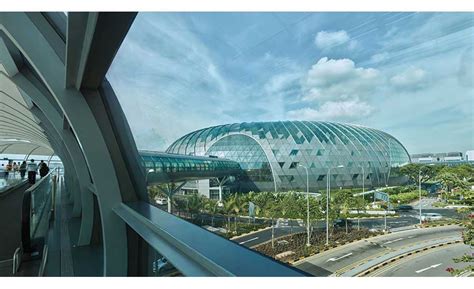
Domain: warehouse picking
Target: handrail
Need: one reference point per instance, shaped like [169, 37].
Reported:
[16, 260]
[38, 183]
[45, 181]
[11, 189]
[35, 200]
[44, 260]
[193, 250]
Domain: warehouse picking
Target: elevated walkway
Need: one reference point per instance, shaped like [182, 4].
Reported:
[167, 168]
[11, 200]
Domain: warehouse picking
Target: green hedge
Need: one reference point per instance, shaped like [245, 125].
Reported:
[406, 197]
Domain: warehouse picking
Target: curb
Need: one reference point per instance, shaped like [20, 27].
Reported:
[362, 239]
[439, 225]
[292, 262]
[276, 239]
[378, 266]
[249, 233]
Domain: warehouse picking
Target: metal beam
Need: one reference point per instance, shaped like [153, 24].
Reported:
[93, 39]
[51, 71]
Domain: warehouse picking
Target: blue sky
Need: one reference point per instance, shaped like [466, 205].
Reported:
[409, 74]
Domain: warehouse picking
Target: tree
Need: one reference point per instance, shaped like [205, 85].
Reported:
[468, 234]
[264, 200]
[194, 204]
[359, 204]
[227, 208]
[464, 212]
[153, 192]
[180, 205]
[463, 171]
[212, 208]
[238, 206]
[343, 203]
[412, 171]
[268, 212]
[450, 181]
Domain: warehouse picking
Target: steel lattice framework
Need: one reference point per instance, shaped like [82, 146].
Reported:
[273, 152]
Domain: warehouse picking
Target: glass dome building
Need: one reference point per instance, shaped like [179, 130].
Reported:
[275, 155]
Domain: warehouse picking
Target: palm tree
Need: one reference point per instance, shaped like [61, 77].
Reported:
[212, 208]
[194, 204]
[238, 206]
[228, 208]
[268, 213]
[179, 204]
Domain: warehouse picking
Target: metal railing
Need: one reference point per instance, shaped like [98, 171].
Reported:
[40, 196]
[16, 260]
[44, 260]
[193, 250]
[36, 200]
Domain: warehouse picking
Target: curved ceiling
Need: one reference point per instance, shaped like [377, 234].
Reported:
[20, 130]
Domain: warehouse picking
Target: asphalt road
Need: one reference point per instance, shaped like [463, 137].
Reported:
[282, 228]
[346, 257]
[432, 263]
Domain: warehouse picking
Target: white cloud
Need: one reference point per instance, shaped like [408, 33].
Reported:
[334, 110]
[338, 79]
[327, 39]
[379, 57]
[465, 71]
[281, 82]
[412, 78]
[336, 89]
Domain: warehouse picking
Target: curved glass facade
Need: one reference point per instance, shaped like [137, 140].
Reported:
[247, 152]
[278, 150]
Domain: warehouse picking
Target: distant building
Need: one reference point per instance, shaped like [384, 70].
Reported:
[436, 157]
[470, 155]
[450, 158]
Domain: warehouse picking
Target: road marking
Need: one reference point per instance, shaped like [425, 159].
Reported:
[246, 241]
[339, 258]
[427, 268]
[393, 241]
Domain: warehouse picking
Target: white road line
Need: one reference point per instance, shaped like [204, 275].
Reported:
[393, 241]
[339, 258]
[243, 242]
[427, 268]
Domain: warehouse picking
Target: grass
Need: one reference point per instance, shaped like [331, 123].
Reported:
[296, 243]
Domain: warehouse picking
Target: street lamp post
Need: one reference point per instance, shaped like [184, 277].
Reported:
[307, 206]
[419, 191]
[146, 176]
[363, 194]
[328, 194]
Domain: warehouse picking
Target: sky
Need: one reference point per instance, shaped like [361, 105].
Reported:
[408, 74]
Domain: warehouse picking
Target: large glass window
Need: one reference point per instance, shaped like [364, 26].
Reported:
[247, 152]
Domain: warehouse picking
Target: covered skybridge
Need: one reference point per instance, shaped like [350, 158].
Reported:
[172, 168]
[96, 217]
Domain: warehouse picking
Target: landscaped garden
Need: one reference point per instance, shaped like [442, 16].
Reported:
[293, 247]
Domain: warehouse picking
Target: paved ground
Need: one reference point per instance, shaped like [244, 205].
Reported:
[281, 229]
[427, 207]
[346, 257]
[432, 263]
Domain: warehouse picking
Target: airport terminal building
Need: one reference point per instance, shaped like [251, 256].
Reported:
[274, 156]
